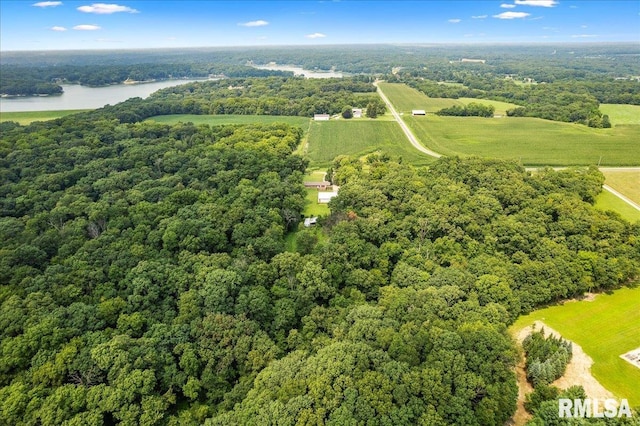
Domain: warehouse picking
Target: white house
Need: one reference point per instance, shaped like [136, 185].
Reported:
[326, 196]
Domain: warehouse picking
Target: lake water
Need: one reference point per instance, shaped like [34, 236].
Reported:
[82, 97]
[300, 71]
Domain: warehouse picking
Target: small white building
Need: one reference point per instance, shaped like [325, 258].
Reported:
[321, 117]
[326, 196]
[418, 112]
[356, 112]
[308, 221]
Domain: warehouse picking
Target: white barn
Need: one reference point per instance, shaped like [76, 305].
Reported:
[326, 196]
[418, 112]
[321, 117]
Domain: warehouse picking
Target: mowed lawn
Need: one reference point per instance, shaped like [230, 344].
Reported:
[532, 141]
[328, 139]
[605, 328]
[217, 120]
[28, 117]
[622, 114]
[607, 201]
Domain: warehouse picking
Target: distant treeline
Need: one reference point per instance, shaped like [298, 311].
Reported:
[292, 96]
[23, 80]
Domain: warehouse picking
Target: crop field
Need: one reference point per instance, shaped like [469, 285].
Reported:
[216, 120]
[405, 99]
[329, 139]
[622, 114]
[531, 141]
[605, 328]
[607, 201]
[28, 117]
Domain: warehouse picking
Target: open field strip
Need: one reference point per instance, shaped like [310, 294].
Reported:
[28, 117]
[405, 99]
[605, 328]
[500, 107]
[329, 139]
[216, 120]
[531, 141]
[624, 181]
[621, 114]
[608, 201]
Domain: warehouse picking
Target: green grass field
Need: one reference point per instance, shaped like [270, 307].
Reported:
[605, 328]
[608, 201]
[216, 120]
[28, 117]
[405, 99]
[625, 182]
[329, 139]
[313, 208]
[621, 114]
[531, 141]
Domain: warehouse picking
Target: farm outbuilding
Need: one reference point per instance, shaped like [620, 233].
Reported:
[418, 112]
[321, 117]
[325, 197]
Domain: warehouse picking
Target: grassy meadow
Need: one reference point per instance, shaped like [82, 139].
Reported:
[605, 328]
[622, 114]
[405, 99]
[328, 139]
[28, 117]
[607, 201]
[625, 182]
[532, 141]
[216, 120]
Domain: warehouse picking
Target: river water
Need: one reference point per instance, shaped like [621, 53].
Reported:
[82, 97]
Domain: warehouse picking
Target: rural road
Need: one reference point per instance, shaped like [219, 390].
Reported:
[622, 197]
[417, 145]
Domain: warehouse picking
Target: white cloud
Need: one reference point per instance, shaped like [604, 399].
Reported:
[455, 21]
[584, 35]
[106, 9]
[479, 17]
[540, 3]
[507, 6]
[316, 35]
[86, 27]
[511, 15]
[57, 28]
[258, 23]
[583, 26]
[47, 4]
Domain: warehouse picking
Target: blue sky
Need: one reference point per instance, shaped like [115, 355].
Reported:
[60, 25]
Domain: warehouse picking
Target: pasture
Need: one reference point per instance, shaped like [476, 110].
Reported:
[622, 114]
[217, 120]
[531, 141]
[328, 139]
[28, 117]
[605, 328]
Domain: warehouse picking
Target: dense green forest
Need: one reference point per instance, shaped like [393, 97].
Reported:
[292, 96]
[145, 278]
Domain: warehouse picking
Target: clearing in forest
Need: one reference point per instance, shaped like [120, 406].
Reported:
[605, 327]
[622, 114]
[328, 139]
